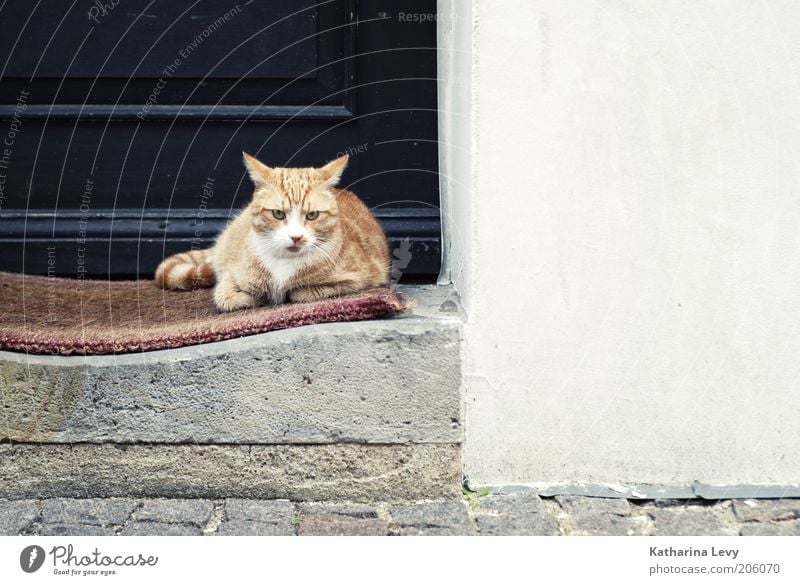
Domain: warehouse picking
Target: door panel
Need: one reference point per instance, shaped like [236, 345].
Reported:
[126, 145]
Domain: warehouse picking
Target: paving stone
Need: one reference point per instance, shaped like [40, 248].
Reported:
[435, 531]
[16, 516]
[352, 509]
[341, 525]
[791, 528]
[249, 528]
[608, 525]
[517, 525]
[766, 510]
[257, 518]
[195, 512]
[511, 514]
[515, 515]
[96, 511]
[160, 529]
[601, 516]
[694, 521]
[75, 530]
[264, 511]
[590, 506]
[439, 518]
[438, 513]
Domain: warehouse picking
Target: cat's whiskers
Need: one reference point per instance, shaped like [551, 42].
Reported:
[325, 256]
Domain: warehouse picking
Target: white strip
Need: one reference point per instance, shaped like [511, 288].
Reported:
[438, 560]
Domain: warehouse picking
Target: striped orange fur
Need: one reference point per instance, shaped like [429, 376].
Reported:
[299, 239]
[186, 271]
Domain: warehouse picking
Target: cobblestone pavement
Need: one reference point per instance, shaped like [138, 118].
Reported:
[519, 514]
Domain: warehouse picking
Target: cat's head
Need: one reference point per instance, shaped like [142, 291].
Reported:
[294, 210]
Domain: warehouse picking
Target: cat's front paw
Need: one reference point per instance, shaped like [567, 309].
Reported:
[311, 293]
[322, 291]
[232, 300]
[302, 295]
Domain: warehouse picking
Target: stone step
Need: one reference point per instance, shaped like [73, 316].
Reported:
[165, 419]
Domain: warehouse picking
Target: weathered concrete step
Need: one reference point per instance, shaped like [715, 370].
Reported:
[387, 381]
[297, 472]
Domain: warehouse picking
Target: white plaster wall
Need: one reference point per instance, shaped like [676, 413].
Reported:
[632, 263]
[457, 134]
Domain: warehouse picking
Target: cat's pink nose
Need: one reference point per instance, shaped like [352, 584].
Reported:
[296, 239]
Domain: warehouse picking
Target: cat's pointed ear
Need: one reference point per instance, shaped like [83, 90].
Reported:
[332, 172]
[260, 173]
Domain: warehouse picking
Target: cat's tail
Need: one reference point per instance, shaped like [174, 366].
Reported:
[186, 271]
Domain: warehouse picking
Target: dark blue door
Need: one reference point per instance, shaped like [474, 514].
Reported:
[123, 122]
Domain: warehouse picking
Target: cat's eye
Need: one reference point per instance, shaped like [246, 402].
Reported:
[278, 214]
[312, 215]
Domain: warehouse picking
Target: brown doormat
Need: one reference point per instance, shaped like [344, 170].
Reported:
[45, 315]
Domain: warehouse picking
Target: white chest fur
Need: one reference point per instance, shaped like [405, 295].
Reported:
[283, 269]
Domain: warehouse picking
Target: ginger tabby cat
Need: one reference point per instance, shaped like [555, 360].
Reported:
[299, 237]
